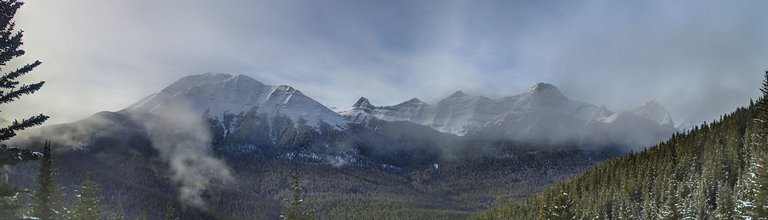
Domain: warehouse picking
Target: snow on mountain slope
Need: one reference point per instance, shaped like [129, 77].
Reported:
[654, 111]
[461, 113]
[542, 113]
[220, 94]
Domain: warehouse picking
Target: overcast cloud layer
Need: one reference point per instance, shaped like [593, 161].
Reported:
[698, 58]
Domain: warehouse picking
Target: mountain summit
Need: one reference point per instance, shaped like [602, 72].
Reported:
[221, 94]
[653, 110]
[545, 89]
[541, 113]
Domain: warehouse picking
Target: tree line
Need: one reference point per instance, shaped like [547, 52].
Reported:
[717, 170]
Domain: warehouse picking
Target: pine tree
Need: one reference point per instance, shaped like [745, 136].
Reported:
[47, 200]
[8, 204]
[9, 195]
[169, 211]
[717, 170]
[760, 156]
[88, 205]
[10, 90]
[725, 204]
[294, 210]
[562, 206]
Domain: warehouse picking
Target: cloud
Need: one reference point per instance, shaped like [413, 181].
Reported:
[183, 140]
[699, 59]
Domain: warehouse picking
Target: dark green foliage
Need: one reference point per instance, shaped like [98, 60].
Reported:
[10, 90]
[47, 198]
[718, 170]
[295, 210]
[12, 155]
[169, 211]
[88, 200]
[8, 204]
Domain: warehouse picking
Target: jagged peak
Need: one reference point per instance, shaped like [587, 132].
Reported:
[415, 101]
[412, 102]
[542, 87]
[546, 90]
[363, 103]
[457, 94]
[655, 111]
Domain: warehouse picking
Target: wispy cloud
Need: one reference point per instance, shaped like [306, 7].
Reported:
[699, 59]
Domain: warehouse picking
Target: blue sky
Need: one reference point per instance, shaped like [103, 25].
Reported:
[698, 58]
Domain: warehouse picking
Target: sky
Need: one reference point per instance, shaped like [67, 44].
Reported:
[699, 59]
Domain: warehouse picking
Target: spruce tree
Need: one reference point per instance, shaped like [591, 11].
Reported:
[47, 200]
[88, 205]
[759, 156]
[169, 211]
[561, 206]
[9, 195]
[10, 90]
[725, 203]
[294, 210]
[8, 203]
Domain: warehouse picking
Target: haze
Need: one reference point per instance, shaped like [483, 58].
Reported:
[699, 59]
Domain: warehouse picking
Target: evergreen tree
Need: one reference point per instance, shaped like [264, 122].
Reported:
[717, 170]
[8, 203]
[9, 195]
[725, 203]
[760, 156]
[10, 90]
[47, 200]
[562, 206]
[88, 205]
[294, 210]
[169, 211]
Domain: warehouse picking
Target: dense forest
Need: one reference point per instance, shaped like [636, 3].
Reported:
[714, 171]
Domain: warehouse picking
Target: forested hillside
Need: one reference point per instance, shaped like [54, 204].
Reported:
[715, 171]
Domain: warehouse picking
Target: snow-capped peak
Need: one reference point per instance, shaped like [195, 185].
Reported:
[458, 94]
[545, 90]
[412, 102]
[363, 104]
[220, 94]
[654, 111]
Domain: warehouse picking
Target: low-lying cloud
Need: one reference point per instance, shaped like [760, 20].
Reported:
[184, 141]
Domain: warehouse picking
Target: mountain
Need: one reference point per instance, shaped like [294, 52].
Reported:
[540, 114]
[218, 95]
[223, 145]
[654, 111]
[714, 171]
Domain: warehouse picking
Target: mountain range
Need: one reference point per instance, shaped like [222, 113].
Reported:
[540, 114]
[240, 113]
[207, 130]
